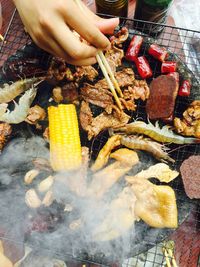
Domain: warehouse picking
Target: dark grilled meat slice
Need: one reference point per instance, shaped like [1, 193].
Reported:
[86, 116]
[87, 72]
[96, 95]
[161, 102]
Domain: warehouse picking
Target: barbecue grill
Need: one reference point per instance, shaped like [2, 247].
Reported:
[178, 41]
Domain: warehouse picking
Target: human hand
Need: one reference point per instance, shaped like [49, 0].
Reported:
[50, 24]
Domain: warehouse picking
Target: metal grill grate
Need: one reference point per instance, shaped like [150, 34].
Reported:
[184, 44]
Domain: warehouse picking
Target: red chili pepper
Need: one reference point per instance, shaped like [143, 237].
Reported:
[134, 47]
[158, 52]
[184, 89]
[168, 66]
[143, 67]
[175, 75]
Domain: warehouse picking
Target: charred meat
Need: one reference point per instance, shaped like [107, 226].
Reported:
[87, 72]
[161, 102]
[5, 132]
[86, 116]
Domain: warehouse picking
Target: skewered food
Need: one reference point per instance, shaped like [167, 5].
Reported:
[141, 143]
[164, 134]
[190, 172]
[65, 147]
[5, 133]
[156, 204]
[161, 171]
[189, 125]
[104, 153]
[161, 102]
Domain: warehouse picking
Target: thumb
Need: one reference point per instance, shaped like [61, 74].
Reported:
[107, 26]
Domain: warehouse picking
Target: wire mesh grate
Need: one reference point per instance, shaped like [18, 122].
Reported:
[180, 42]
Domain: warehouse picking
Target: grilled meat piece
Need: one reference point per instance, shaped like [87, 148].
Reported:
[120, 37]
[156, 204]
[5, 132]
[190, 170]
[114, 57]
[139, 90]
[100, 95]
[190, 124]
[57, 94]
[163, 93]
[70, 92]
[87, 72]
[59, 71]
[96, 95]
[105, 121]
[86, 116]
[35, 114]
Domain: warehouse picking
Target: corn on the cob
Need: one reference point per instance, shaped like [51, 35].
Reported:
[65, 146]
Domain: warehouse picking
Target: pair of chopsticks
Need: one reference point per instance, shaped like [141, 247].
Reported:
[168, 253]
[107, 72]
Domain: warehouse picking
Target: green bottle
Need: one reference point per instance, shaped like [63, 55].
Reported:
[153, 11]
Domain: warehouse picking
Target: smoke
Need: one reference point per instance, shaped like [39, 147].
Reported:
[68, 227]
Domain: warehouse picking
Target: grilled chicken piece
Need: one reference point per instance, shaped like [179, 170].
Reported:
[124, 155]
[161, 171]
[156, 204]
[5, 132]
[119, 218]
[35, 114]
[104, 153]
[189, 125]
[104, 179]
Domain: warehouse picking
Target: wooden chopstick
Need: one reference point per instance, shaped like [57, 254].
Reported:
[105, 67]
[109, 81]
[1, 38]
[168, 252]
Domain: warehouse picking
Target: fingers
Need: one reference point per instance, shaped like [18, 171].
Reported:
[55, 49]
[85, 27]
[71, 44]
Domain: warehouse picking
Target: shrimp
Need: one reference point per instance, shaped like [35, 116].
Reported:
[9, 91]
[140, 143]
[20, 111]
[164, 134]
